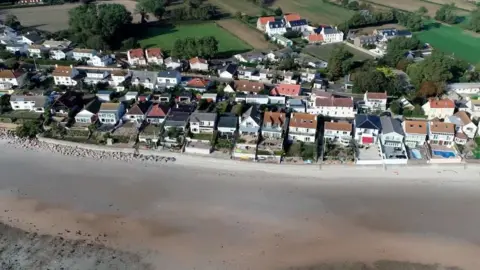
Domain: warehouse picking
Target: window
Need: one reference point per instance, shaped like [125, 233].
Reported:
[307, 139]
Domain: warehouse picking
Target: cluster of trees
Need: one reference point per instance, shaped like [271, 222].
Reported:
[193, 10]
[412, 21]
[206, 47]
[354, 5]
[340, 63]
[397, 49]
[146, 7]
[381, 79]
[447, 14]
[12, 22]
[99, 26]
[361, 18]
[474, 23]
[292, 34]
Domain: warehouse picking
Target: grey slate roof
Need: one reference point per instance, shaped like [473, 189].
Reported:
[368, 121]
[252, 112]
[197, 117]
[227, 121]
[391, 125]
[142, 75]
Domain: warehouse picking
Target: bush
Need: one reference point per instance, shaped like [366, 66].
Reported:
[29, 129]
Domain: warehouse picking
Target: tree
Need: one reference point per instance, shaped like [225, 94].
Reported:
[29, 129]
[340, 63]
[422, 10]
[155, 7]
[130, 43]
[372, 80]
[96, 42]
[353, 5]
[447, 14]
[397, 49]
[412, 21]
[5, 103]
[395, 108]
[430, 89]
[278, 12]
[474, 23]
[12, 21]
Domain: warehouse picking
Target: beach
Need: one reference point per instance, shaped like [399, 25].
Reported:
[203, 213]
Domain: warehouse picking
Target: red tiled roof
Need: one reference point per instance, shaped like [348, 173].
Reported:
[442, 127]
[197, 82]
[10, 74]
[197, 60]
[374, 95]
[158, 111]
[286, 90]
[343, 126]
[415, 127]
[154, 52]
[315, 38]
[292, 17]
[265, 20]
[274, 118]
[248, 86]
[303, 120]
[444, 103]
[136, 53]
[334, 102]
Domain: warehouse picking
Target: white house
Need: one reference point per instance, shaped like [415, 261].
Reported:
[273, 125]
[263, 21]
[198, 64]
[331, 35]
[100, 60]
[462, 123]
[15, 48]
[169, 78]
[172, 63]
[9, 79]
[80, 54]
[89, 114]
[298, 25]
[94, 76]
[147, 79]
[465, 88]
[65, 75]
[302, 127]
[277, 27]
[227, 125]
[202, 122]
[375, 101]
[415, 132]
[228, 72]
[30, 103]
[104, 95]
[60, 54]
[138, 112]
[31, 38]
[332, 107]
[57, 44]
[392, 132]
[338, 132]
[435, 108]
[441, 133]
[109, 113]
[36, 50]
[367, 129]
[249, 123]
[256, 99]
[119, 76]
[136, 57]
[154, 56]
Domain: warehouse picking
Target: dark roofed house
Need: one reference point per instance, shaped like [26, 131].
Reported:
[227, 125]
[367, 128]
[137, 113]
[392, 132]
[176, 119]
[228, 72]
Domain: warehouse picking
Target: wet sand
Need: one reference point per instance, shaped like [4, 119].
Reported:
[204, 214]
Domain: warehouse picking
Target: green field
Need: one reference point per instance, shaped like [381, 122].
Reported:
[323, 52]
[316, 11]
[452, 39]
[165, 37]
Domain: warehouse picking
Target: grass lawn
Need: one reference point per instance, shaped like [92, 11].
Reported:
[315, 11]
[452, 39]
[165, 37]
[323, 52]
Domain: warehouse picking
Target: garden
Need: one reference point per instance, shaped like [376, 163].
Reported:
[306, 151]
[336, 152]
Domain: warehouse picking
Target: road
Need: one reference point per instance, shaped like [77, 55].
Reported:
[182, 217]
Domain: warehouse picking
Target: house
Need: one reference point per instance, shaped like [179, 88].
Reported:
[314, 38]
[463, 124]
[111, 113]
[362, 41]
[302, 127]
[30, 103]
[104, 95]
[277, 100]
[157, 113]
[278, 55]
[460, 138]
[263, 21]
[209, 97]
[136, 57]
[119, 76]
[331, 35]
[16, 48]
[249, 122]
[147, 79]
[70, 101]
[130, 95]
[176, 119]
[94, 76]
[88, 114]
[367, 128]
[277, 27]
[65, 75]
[338, 131]
[137, 113]
[169, 78]
[227, 125]
[246, 72]
[279, 39]
[60, 54]
[31, 38]
[273, 125]
[332, 107]
[198, 84]
[296, 105]
[392, 132]
[288, 77]
[154, 56]
[375, 101]
[10, 79]
[83, 54]
[36, 51]
[172, 63]
[465, 88]
[250, 57]
[319, 82]
[441, 109]
[202, 122]
[100, 60]
[161, 98]
[256, 99]
[308, 75]
[292, 17]
[197, 63]
[57, 44]
[142, 97]
[297, 25]
[289, 90]
[248, 87]
[441, 133]
[390, 33]
[228, 72]
[184, 97]
[415, 133]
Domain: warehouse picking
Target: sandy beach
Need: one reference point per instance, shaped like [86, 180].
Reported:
[202, 213]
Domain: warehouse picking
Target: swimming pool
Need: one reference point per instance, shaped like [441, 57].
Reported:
[444, 154]
[416, 154]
